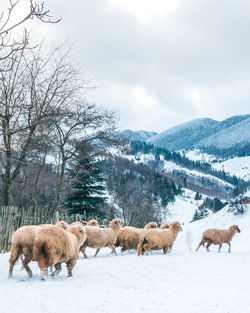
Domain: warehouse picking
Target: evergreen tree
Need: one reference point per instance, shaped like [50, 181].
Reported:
[197, 196]
[200, 213]
[86, 193]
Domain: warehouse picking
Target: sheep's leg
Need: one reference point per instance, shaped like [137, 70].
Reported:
[44, 274]
[113, 249]
[165, 250]
[229, 249]
[83, 249]
[199, 245]
[146, 248]
[25, 263]
[97, 251]
[123, 249]
[15, 254]
[57, 270]
[70, 264]
[219, 248]
[208, 245]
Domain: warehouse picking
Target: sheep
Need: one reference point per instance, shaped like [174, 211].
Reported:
[128, 237]
[157, 239]
[92, 223]
[22, 244]
[54, 246]
[102, 237]
[218, 237]
[164, 226]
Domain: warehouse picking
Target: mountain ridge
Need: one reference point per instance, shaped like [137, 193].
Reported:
[205, 134]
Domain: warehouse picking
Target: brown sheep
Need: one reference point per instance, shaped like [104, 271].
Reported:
[23, 242]
[157, 239]
[128, 237]
[54, 246]
[102, 237]
[92, 223]
[218, 237]
[164, 226]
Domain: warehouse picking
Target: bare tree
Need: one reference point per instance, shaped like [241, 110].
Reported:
[135, 199]
[44, 113]
[9, 45]
[31, 96]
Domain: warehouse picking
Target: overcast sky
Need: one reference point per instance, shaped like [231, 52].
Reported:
[160, 62]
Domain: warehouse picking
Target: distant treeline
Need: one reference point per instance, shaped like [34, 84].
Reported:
[176, 157]
[235, 151]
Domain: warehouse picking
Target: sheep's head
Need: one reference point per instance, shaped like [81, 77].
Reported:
[235, 228]
[116, 222]
[165, 226]
[176, 226]
[150, 225]
[92, 223]
[64, 225]
[78, 230]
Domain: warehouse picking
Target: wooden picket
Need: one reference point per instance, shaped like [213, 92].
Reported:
[11, 218]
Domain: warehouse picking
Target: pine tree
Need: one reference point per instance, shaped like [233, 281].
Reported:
[200, 213]
[86, 193]
[197, 196]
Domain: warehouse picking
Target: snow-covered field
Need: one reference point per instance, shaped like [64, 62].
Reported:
[238, 166]
[183, 281]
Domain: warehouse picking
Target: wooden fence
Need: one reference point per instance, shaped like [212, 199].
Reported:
[11, 218]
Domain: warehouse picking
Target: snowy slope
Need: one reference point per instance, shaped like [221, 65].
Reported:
[197, 155]
[170, 166]
[183, 208]
[183, 281]
[238, 166]
[232, 132]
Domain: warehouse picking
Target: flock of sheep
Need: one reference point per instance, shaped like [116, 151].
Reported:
[52, 245]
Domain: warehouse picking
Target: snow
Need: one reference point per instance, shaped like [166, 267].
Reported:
[183, 208]
[238, 166]
[197, 155]
[182, 281]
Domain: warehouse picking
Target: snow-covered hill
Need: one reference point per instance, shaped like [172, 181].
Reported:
[213, 184]
[183, 208]
[181, 281]
[238, 166]
[182, 136]
[206, 134]
[141, 135]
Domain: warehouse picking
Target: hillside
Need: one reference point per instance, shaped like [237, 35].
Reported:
[135, 135]
[227, 138]
[195, 171]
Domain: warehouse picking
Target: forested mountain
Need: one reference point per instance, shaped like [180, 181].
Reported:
[226, 138]
[194, 175]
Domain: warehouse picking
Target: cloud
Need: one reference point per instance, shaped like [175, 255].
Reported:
[159, 62]
[146, 10]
